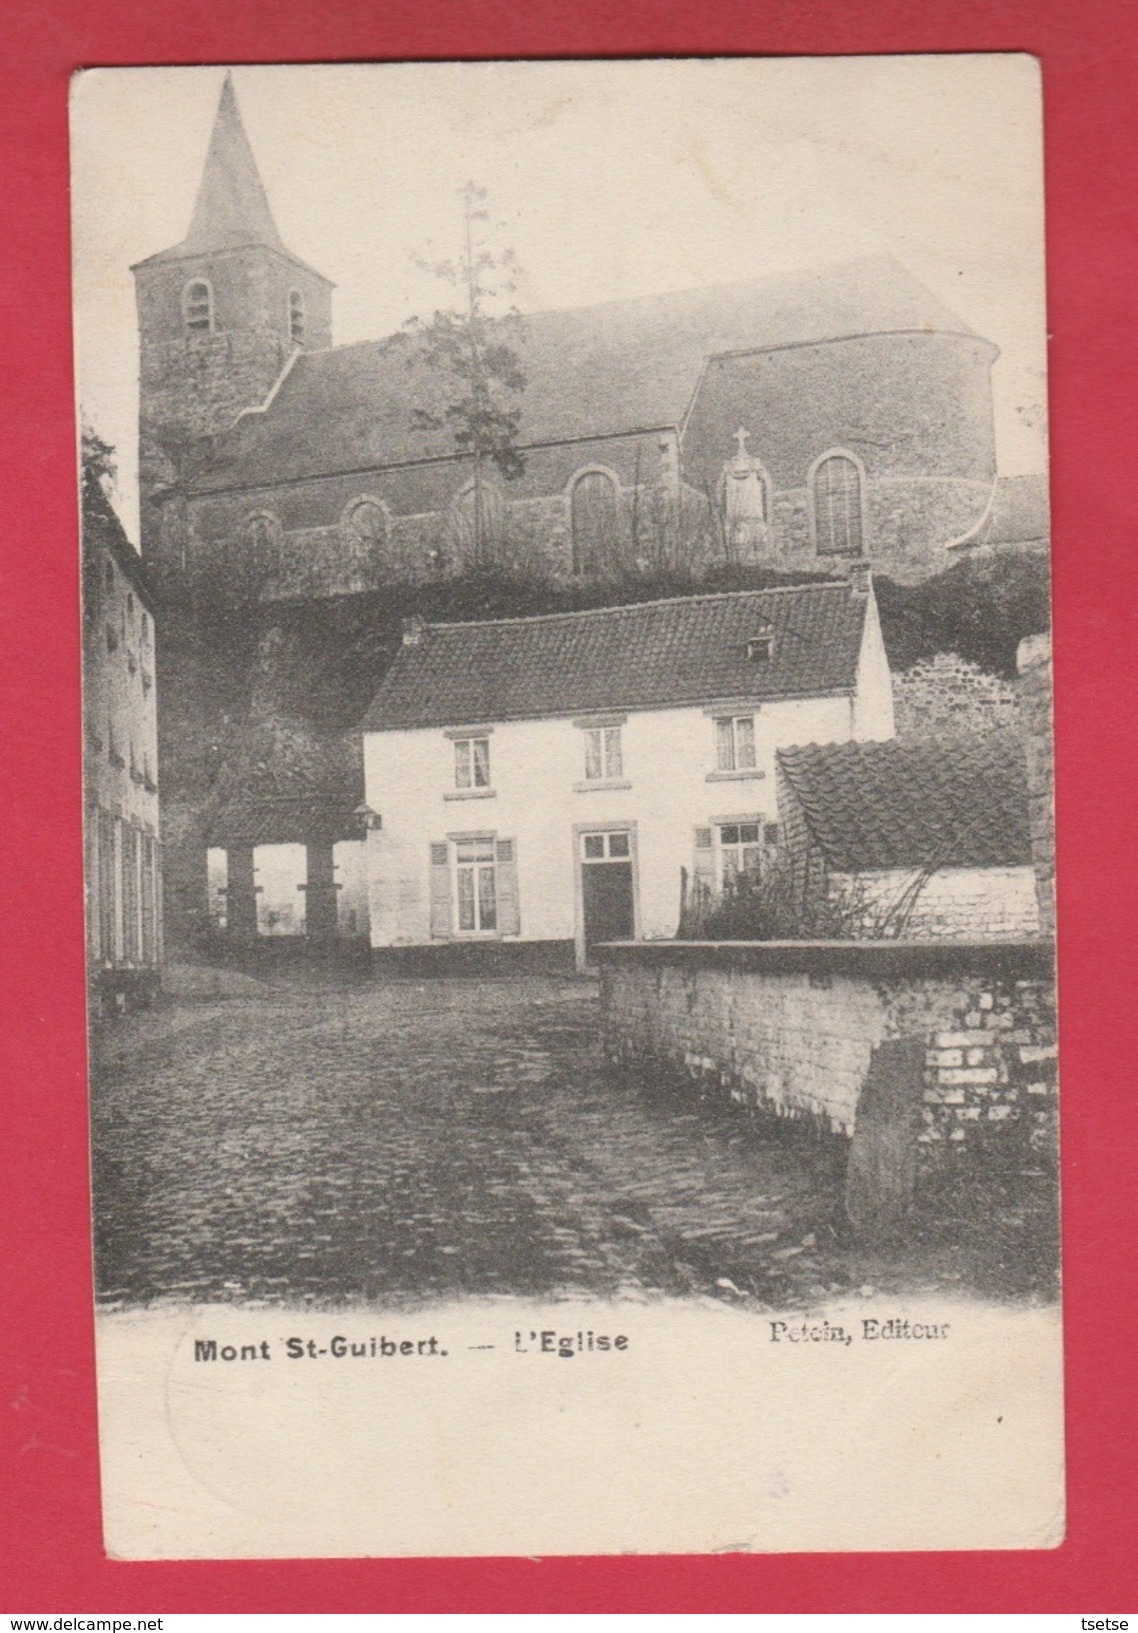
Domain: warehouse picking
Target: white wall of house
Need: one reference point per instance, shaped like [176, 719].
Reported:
[349, 858]
[280, 875]
[873, 699]
[538, 796]
[217, 886]
[954, 904]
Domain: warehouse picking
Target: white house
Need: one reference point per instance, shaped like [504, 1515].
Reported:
[546, 780]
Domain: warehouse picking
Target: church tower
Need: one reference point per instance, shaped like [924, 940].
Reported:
[219, 316]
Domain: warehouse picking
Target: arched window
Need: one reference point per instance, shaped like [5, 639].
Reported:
[366, 523]
[476, 525]
[260, 533]
[197, 306]
[595, 521]
[836, 505]
[296, 317]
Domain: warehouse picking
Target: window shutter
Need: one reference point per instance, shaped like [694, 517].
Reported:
[509, 916]
[703, 868]
[440, 891]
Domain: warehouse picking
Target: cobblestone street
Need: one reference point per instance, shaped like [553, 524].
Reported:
[382, 1140]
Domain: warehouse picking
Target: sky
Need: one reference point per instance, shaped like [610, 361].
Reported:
[608, 179]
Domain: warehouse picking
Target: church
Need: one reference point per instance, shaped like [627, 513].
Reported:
[796, 422]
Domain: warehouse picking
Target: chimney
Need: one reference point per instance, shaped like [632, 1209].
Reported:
[414, 630]
[861, 575]
[1033, 661]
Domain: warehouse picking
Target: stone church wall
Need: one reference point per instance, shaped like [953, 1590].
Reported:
[914, 410]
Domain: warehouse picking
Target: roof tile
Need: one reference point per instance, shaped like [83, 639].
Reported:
[950, 801]
[657, 654]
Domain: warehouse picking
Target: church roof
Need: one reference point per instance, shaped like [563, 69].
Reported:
[952, 801]
[623, 366]
[232, 210]
[655, 655]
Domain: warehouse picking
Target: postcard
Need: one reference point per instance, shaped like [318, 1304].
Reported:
[569, 828]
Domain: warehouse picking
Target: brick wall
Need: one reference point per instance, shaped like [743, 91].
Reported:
[789, 1030]
[948, 693]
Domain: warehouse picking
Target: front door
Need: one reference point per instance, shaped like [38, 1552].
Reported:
[607, 910]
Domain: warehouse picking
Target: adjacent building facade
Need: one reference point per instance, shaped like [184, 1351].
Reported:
[562, 780]
[800, 420]
[123, 855]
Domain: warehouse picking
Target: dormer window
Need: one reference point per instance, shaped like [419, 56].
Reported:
[197, 307]
[296, 318]
[760, 648]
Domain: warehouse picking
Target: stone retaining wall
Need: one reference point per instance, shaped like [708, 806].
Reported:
[792, 1030]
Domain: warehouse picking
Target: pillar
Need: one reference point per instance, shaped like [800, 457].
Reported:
[241, 899]
[320, 897]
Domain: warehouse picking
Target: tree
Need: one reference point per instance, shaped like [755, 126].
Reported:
[97, 463]
[470, 352]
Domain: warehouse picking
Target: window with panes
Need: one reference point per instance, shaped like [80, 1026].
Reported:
[735, 743]
[472, 762]
[837, 506]
[476, 887]
[197, 305]
[296, 317]
[606, 847]
[603, 757]
[740, 849]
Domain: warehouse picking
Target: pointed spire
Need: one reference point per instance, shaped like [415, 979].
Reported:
[232, 206]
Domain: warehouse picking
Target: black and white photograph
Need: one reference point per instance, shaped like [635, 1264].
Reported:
[569, 826]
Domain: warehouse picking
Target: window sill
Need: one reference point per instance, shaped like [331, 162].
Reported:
[752, 775]
[602, 785]
[471, 793]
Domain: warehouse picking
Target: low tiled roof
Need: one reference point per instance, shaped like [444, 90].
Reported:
[951, 801]
[285, 821]
[654, 655]
[623, 366]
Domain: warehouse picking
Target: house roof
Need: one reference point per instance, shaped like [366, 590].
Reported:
[593, 371]
[232, 209]
[658, 654]
[951, 801]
